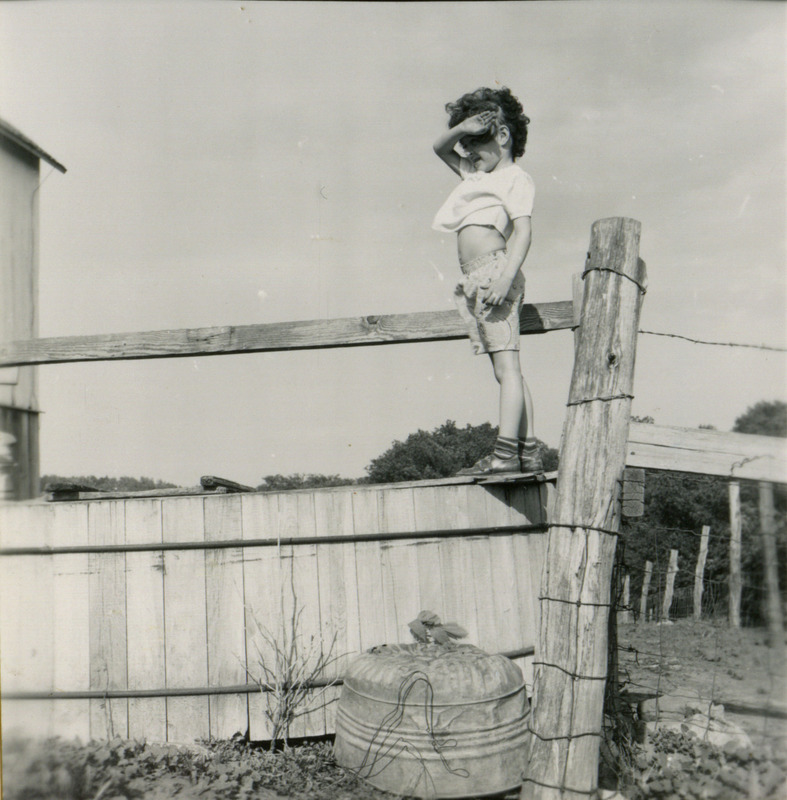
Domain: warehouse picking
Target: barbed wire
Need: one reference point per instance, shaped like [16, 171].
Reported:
[717, 344]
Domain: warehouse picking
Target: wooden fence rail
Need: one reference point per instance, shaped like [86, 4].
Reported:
[742, 456]
[423, 326]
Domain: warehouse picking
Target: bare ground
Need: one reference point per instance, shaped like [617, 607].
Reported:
[709, 662]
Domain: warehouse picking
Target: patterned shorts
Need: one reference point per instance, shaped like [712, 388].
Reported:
[491, 328]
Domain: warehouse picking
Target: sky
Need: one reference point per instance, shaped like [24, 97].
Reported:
[238, 163]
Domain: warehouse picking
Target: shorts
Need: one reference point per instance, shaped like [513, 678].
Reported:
[491, 328]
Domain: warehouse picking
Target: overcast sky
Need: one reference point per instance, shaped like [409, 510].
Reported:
[233, 163]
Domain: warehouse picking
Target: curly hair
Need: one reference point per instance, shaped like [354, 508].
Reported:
[508, 108]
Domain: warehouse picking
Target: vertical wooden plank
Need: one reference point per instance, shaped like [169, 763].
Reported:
[262, 588]
[450, 510]
[338, 585]
[529, 506]
[429, 514]
[736, 527]
[106, 526]
[229, 714]
[400, 569]
[699, 571]
[185, 619]
[480, 566]
[505, 571]
[368, 556]
[506, 592]
[27, 619]
[304, 596]
[147, 716]
[624, 615]
[643, 601]
[669, 590]
[72, 619]
[770, 554]
[537, 543]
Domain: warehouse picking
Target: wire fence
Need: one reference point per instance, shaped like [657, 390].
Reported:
[665, 646]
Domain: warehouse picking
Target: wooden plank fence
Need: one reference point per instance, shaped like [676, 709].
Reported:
[140, 618]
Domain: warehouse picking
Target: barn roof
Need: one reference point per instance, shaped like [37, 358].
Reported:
[17, 137]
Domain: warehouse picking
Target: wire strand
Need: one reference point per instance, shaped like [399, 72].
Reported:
[717, 344]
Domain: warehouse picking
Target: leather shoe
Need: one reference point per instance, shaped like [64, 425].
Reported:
[490, 465]
[531, 463]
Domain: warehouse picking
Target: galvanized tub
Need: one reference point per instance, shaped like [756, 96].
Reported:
[431, 720]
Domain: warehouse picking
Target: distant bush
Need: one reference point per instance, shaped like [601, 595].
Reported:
[106, 484]
[440, 453]
[281, 483]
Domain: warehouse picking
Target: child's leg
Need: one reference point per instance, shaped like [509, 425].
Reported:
[527, 425]
[513, 396]
[516, 411]
[505, 456]
[527, 447]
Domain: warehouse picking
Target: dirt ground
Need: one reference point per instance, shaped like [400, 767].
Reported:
[709, 661]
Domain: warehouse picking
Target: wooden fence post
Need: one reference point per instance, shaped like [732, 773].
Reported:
[669, 589]
[735, 554]
[643, 600]
[567, 712]
[768, 529]
[624, 615]
[699, 571]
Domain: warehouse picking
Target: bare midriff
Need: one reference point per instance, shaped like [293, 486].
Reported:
[478, 240]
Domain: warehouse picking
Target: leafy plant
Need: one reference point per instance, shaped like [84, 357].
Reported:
[56, 769]
[426, 627]
[680, 765]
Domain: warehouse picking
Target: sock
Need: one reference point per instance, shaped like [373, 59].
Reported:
[527, 446]
[504, 447]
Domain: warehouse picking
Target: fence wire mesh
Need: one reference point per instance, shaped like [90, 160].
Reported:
[685, 673]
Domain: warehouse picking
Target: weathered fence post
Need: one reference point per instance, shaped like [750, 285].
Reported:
[643, 600]
[571, 672]
[669, 589]
[735, 554]
[624, 615]
[699, 571]
[768, 530]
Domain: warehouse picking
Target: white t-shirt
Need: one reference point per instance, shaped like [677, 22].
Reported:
[487, 198]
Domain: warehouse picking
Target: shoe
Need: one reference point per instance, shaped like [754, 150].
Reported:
[490, 465]
[531, 463]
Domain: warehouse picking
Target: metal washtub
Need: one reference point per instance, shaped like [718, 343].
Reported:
[433, 721]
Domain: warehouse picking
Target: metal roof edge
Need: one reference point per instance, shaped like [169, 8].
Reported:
[16, 136]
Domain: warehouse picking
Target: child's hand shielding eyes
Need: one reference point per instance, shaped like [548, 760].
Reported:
[479, 123]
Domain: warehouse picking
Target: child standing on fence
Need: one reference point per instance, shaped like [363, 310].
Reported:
[490, 213]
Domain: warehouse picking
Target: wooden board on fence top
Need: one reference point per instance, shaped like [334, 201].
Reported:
[269, 337]
[503, 477]
[733, 455]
